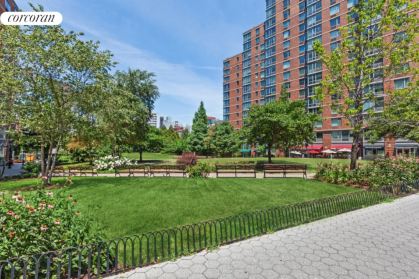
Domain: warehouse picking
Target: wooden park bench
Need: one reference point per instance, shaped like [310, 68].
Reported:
[284, 169]
[236, 169]
[168, 169]
[82, 170]
[132, 170]
[59, 171]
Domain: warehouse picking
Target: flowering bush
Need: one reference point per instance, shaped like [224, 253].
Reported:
[188, 159]
[44, 221]
[380, 172]
[110, 162]
[200, 170]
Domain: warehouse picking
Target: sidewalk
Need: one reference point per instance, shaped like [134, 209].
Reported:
[376, 242]
[15, 170]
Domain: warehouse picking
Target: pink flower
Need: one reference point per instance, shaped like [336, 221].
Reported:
[44, 177]
[57, 222]
[44, 228]
[50, 205]
[32, 210]
[75, 202]
[15, 195]
[16, 216]
[78, 213]
[20, 200]
[10, 213]
[70, 197]
[49, 193]
[12, 234]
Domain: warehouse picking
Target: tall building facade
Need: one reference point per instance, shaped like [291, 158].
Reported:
[154, 120]
[6, 144]
[280, 51]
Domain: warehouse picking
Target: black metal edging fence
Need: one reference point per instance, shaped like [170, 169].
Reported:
[123, 254]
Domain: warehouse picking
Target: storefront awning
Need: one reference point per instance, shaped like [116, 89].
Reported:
[246, 150]
[311, 147]
[314, 152]
[341, 146]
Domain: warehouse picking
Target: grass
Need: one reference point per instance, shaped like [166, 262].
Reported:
[148, 156]
[310, 162]
[137, 205]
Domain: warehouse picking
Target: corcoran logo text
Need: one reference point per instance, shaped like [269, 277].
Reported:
[31, 18]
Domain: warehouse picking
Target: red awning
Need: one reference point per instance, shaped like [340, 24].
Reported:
[314, 147]
[349, 146]
[314, 152]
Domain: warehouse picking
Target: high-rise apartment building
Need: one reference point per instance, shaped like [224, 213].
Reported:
[154, 120]
[280, 51]
[8, 6]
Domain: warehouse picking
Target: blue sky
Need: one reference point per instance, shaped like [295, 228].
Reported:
[183, 41]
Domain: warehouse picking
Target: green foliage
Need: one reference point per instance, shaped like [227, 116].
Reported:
[185, 134]
[223, 139]
[199, 131]
[171, 134]
[358, 61]
[44, 221]
[200, 170]
[280, 124]
[175, 147]
[78, 154]
[381, 172]
[32, 167]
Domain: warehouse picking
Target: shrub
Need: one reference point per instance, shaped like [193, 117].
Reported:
[379, 173]
[200, 170]
[44, 221]
[32, 167]
[188, 159]
[109, 162]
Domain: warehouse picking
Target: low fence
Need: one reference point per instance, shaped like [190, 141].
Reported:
[123, 254]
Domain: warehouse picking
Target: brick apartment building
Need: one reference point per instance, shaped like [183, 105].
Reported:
[6, 145]
[279, 51]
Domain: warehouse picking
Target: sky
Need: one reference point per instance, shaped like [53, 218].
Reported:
[184, 42]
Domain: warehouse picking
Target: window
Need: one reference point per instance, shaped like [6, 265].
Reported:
[237, 106]
[302, 93]
[287, 54]
[302, 16]
[238, 58]
[302, 27]
[287, 85]
[226, 110]
[257, 84]
[286, 14]
[246, 71]
[287, 64]
[269, 23]
[302, 6]
[270, 71]
[334, 46]
[257, 75]
[246, 46]
[270, 61]
[302, 38]
[256, 66]
[257, 40]
[270, 12]
[401, 36]
[247, 89]
[257, 102]
[286, 34]
[246, 80]
[302, 71]
[319, 125]
[334, 9]
[226, 95]
[269, 52]
[226, 87]
[238, 67]
[287, 75]
[302, 48]
[226, 79]
[237, 91]
[314, 8]
[314, 67]
[310, 42]
[246, 97]
[287, 44]
[270, 81]
[286, 23]
[226, 72]
[312, 56]
[302, 59]
[334, 34]
[270, 41]
[237, 74]
[286, 3]
[352, 3]
[246, 54]
[316, 78]
[256, 58]
[8, 6]
[247, 37]
[313, 32]
[335, 22]
[226, 64]
[303, 82]
[226, 103]
[314, 20]
[401, 83]
[262, 83]
[336, 122]
[270, 90]
[257, 31]
[270, 32]
[246, 63]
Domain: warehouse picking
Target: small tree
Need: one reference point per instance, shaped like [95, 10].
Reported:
[224, 139]
[199, 131]
[279, 124]
[379, 42]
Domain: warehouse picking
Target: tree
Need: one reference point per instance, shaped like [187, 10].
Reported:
[379, 42]
[223, 139]
[153, 142]
[53, 71]
[400, 119]
[199, 131]
[185, 134]
[163, 128]
[283, 93]
[280, 124]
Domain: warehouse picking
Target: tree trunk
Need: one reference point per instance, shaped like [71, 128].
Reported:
[354, 150]
[90, 155]
[270, 154]
[4, 169]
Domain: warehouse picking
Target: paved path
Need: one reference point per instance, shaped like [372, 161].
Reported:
[15, 170]
[376, 242]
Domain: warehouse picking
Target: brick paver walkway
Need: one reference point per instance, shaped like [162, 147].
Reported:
[376, 242]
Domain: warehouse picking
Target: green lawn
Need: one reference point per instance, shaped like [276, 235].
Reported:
[136, 205]
[311, 163]
[147, 156]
